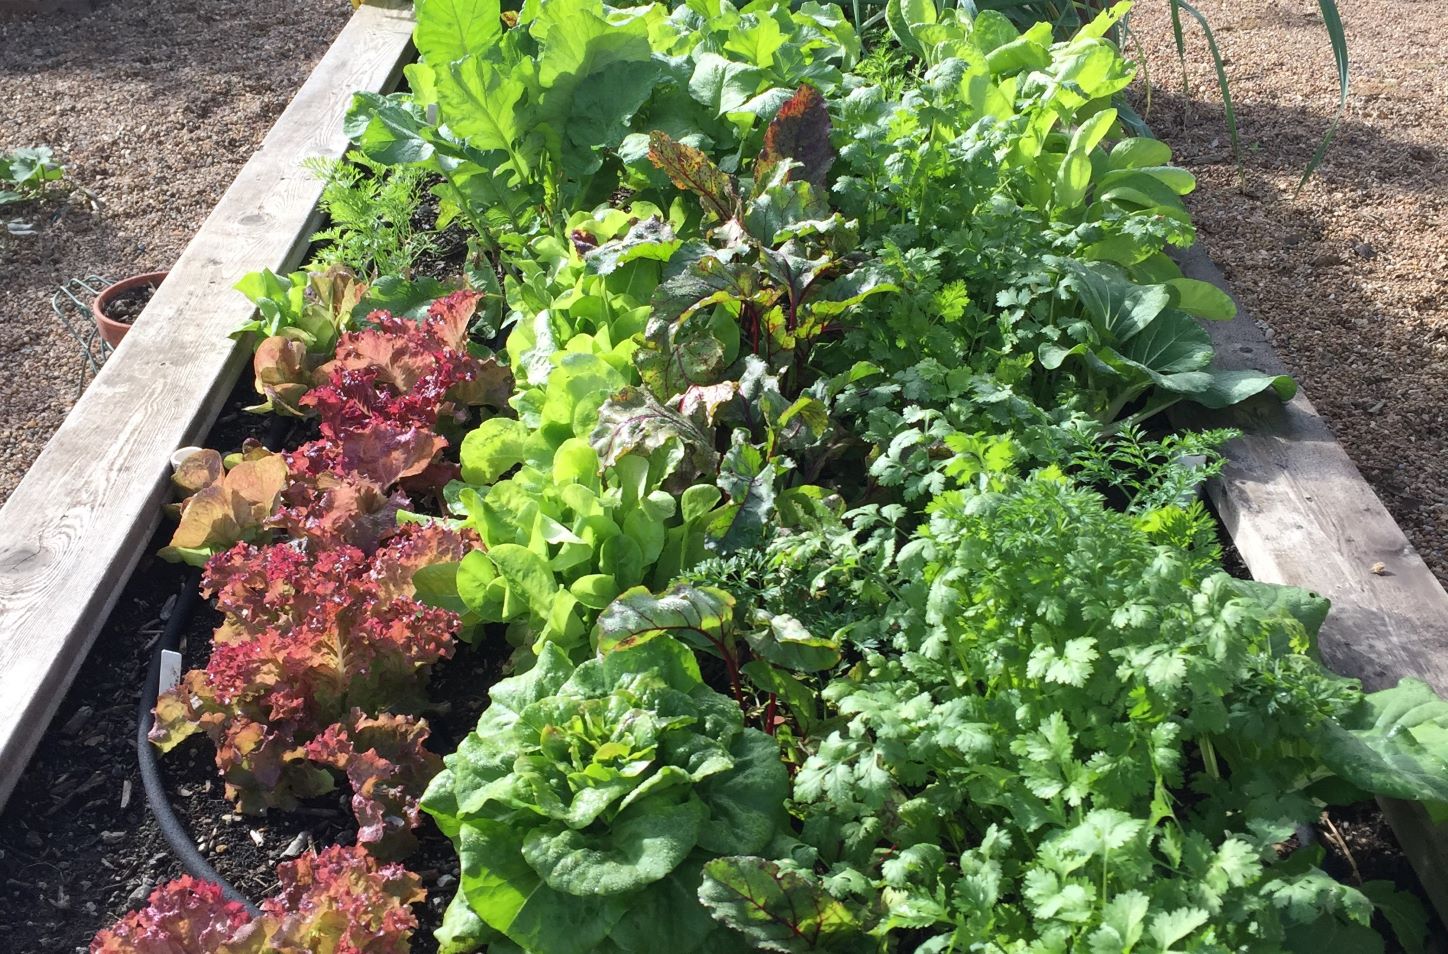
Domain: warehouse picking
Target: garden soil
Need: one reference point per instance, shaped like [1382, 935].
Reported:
[152, 106]
[1349, 277]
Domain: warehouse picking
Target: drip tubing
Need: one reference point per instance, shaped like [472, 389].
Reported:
[172, 829]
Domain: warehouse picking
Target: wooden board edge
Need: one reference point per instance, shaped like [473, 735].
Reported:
[16, 749]
[1288, 475]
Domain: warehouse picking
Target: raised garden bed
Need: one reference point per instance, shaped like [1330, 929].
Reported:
[614, 468]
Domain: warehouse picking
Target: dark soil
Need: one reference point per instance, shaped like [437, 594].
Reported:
[127, 306]
[1359, 846]
[78, 845]
[447, 253]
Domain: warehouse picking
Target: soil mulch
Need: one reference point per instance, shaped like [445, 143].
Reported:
[127, 306]
[1349, 277]
[152, 106]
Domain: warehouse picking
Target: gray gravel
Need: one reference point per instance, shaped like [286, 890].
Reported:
[153, 106]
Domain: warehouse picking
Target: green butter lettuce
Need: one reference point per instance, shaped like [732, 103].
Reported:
[589, 798]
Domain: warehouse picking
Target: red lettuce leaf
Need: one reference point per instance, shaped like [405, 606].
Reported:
[388, 767]
[307, 637]
[185, 916]
[339, 900]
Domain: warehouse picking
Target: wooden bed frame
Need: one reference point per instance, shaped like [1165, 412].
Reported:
[1294, 504]
[75, 527]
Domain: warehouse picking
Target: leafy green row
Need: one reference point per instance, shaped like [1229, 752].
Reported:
[851, 605]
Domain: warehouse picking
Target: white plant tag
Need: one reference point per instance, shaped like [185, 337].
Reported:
[170, 671]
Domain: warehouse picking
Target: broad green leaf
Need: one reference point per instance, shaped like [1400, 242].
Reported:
[1138, 153]
[482, 102]
[905, 17]
[1169, 927]
[1171, 343]
[1120, 307]
[1202, 299]
[511, 898]
[748, 481]
[491, 449]
[623, 558]
[1302, 612]
[1404, 913]
[668, 917]
[437, 585]
[387, 131]
[1393, 743]
[698, 500]
[576, 389]
[784, 641]
[526, 574]
[1329, 934]
[595, 590]
[747, 802]
[448, 30]
[651, 239]
[723, 85]
[632, 421]
[701, 616]
[462, 931]
[1074, 175]
[593, 75]
[575, 462]
[641, 846]
[1227, 388]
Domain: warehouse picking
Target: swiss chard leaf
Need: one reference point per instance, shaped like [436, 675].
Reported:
[777, 909]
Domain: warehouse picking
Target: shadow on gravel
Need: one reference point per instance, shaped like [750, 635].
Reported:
[133, 43]
[1282, 139]
[1349, 278]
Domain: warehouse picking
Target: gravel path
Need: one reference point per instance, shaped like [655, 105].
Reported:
[1351, 276]
[153, 106]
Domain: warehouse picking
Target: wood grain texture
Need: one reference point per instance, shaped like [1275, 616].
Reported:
[74, 529]
[1300, 512]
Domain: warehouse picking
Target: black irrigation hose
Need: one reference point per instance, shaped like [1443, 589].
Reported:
[175, 833]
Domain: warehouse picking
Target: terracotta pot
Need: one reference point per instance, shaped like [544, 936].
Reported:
[114, 331]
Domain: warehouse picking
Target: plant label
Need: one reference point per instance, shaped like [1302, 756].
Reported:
[170, 671]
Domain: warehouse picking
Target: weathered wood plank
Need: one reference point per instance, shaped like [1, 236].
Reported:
[1300, 512]
[74, 529]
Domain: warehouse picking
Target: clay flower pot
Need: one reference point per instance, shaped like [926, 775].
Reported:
[111, 330]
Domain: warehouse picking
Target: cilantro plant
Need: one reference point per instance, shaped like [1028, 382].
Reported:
[1069, 736]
